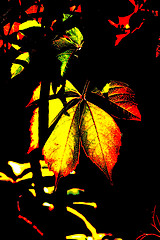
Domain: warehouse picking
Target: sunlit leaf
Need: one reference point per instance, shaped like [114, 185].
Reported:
[34, 131]
[55, 106]
[61, 151]
[66, 16]
[123, 97]
[92, 204]
[70, 88]
[32, 191]
[17, 68]
[4, 177]
[77, 237]
[15, 46]
[24, 57]
[44, 169]
[101, 137]
[49, 190]
[25, 177]
[29, 24]
[18, 168]
[49, 205]
[74, 191]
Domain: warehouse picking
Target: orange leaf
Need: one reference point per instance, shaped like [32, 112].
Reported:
[122, 96]
[101, 137]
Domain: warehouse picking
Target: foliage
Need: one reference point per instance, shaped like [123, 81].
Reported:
[66, 117]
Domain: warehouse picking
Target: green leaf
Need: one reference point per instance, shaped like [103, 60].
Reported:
[64, 59]
[66, 16]
[67, 46]
[74, 191]
[76, 36]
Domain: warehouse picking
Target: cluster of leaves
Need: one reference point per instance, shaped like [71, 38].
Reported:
[72, 119]
[22, 34]
[82, 122]
[126, 25]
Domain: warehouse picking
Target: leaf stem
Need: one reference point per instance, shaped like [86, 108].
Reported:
[85, 89]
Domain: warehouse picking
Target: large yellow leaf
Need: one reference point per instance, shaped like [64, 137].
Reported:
[101, 137]
[61, 150]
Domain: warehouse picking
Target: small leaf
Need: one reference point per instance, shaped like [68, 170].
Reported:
[119, 94]
[19, 168]
[61, 151]
[4, 177]
[70, 88]
[74, 191]
[29, 24]
[66, 16]
[17, 68]
[101, 137]
[24, 57]
[122, 96]
[71, 41]
[64, 59]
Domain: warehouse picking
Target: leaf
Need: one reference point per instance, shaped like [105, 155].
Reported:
[119, 94]
[101, 137]
[19, 168]
[17, 68]
[64, 59]
[61, 151]
[4, 177]
[68, 45]
[66, 16]
[74, 191]
[55, 107]
[29, 24]
[122, 96]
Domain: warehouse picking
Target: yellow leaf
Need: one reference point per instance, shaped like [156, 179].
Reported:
[77, 237]
[101, 137]
[49, 205]
[55, 106]
[49, 190]
[17, 47]
[16, 69]
[74, 191]
[18, 168]
[4, 177]
[34, 132]
[61, 151]
[33, 192]
[28, 24]
[69, 87]
[25, 177]
[44, 169]
[36, 95]
[92, 204]
[24, 57]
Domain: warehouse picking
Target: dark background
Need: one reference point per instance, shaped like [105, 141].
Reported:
[126, 208]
